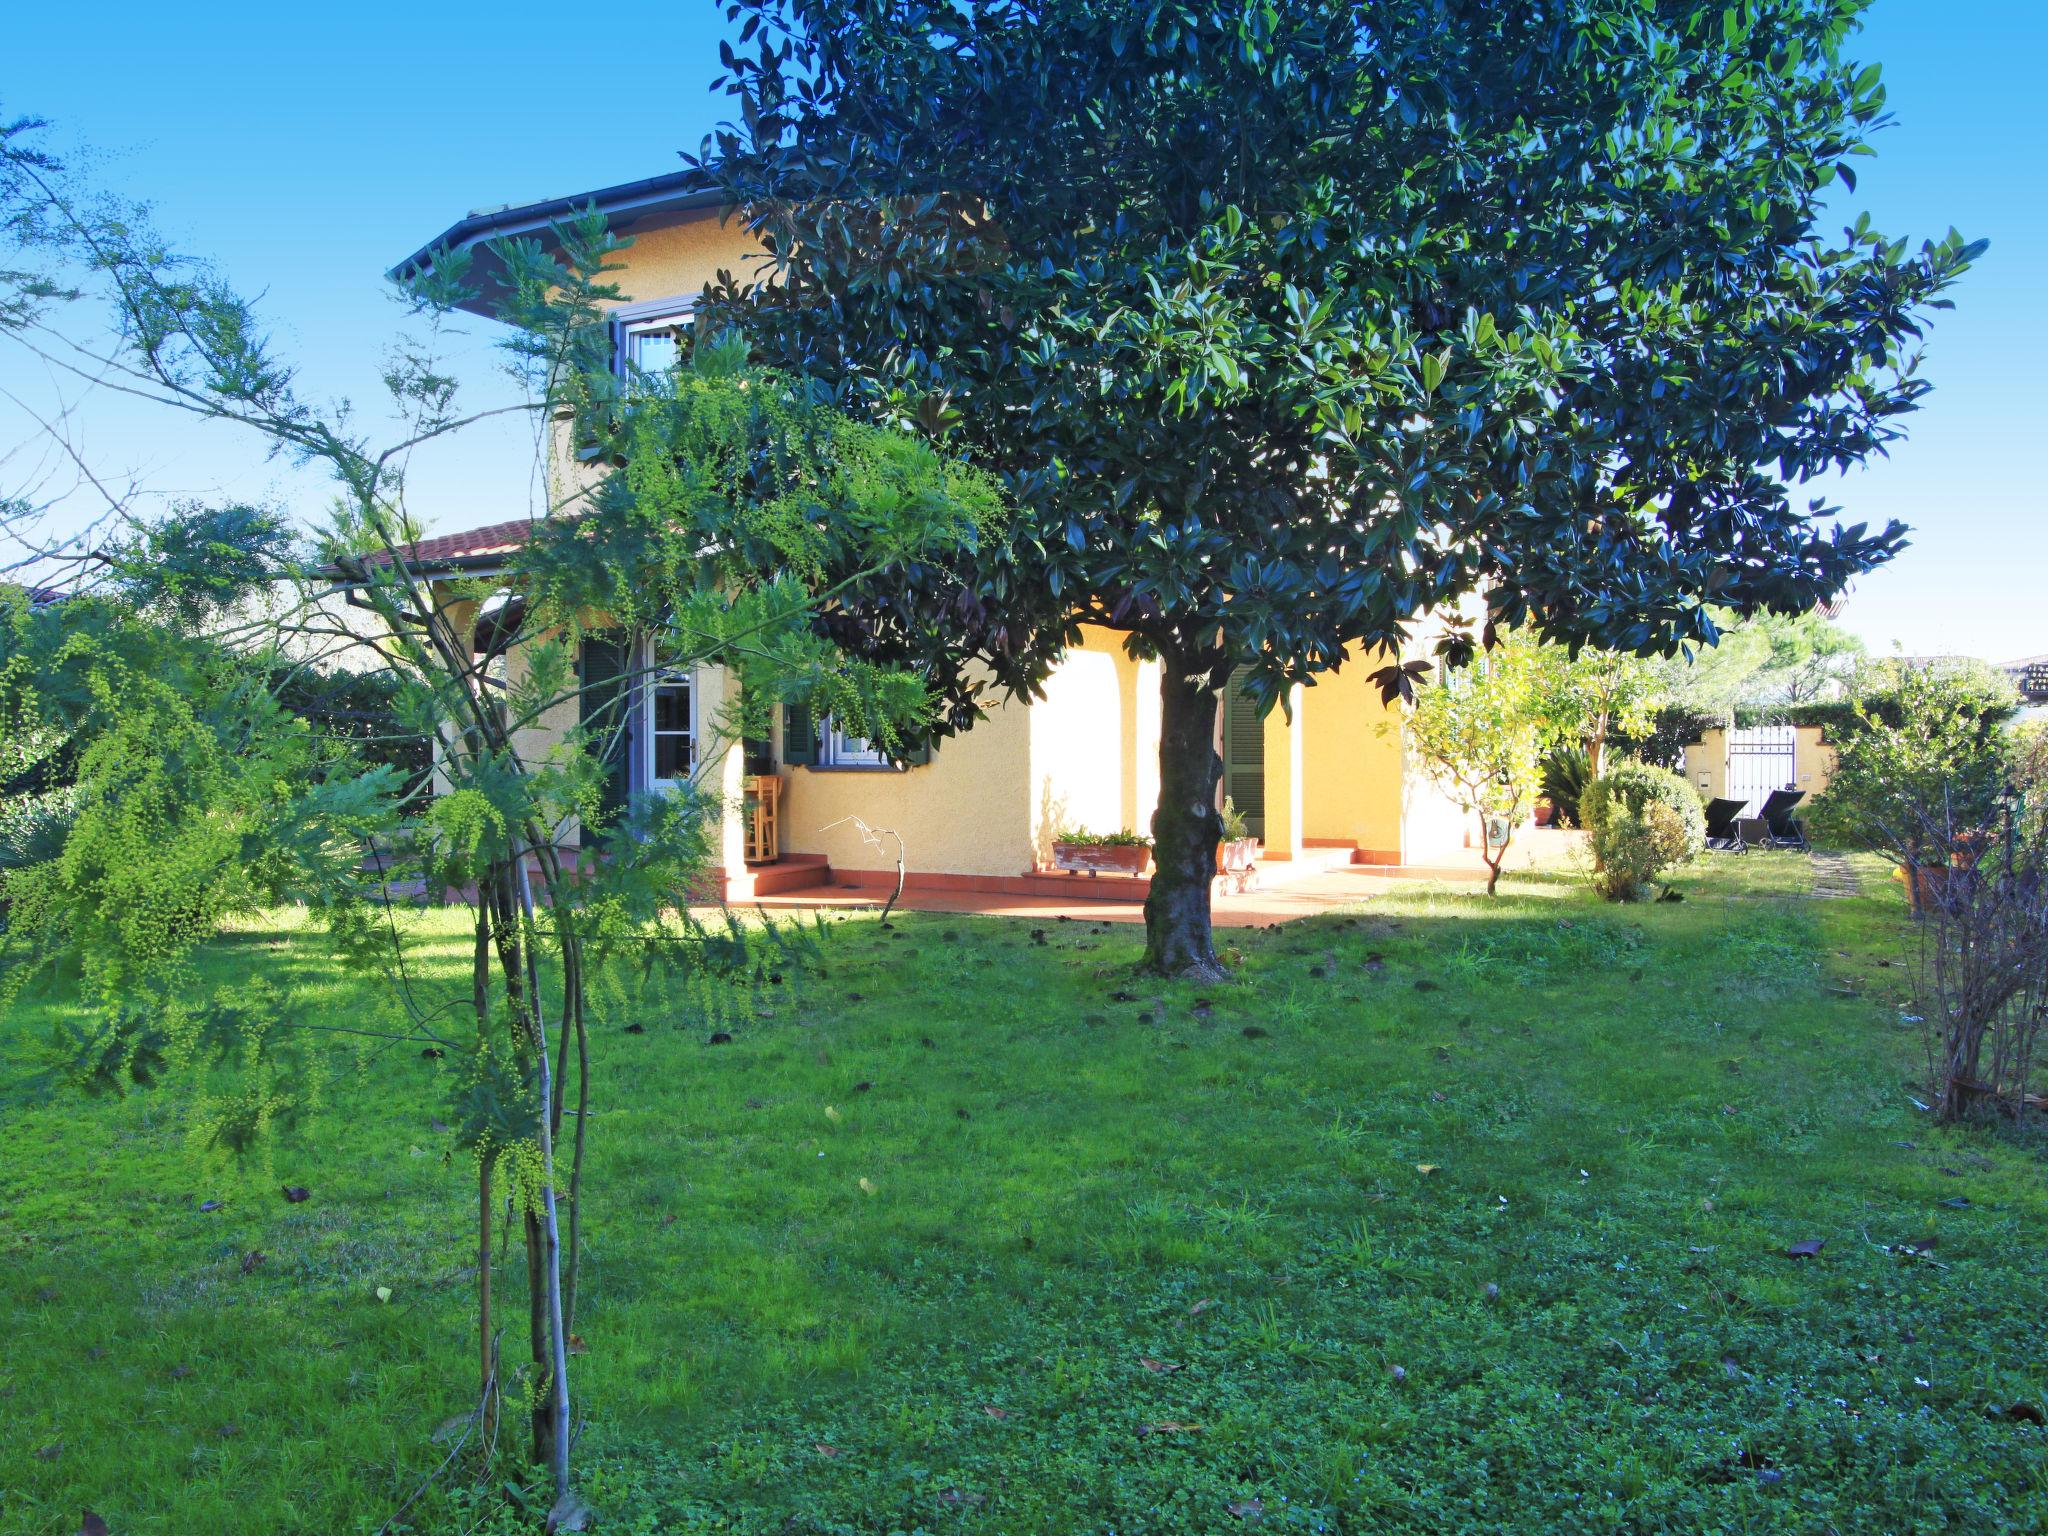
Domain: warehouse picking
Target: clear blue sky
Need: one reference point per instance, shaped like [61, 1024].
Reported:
[307, 148]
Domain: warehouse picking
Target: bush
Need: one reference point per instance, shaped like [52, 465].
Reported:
[1635, 845]
[1566, 772]
[1925, 772]
[1631, 846]
[1637, 784]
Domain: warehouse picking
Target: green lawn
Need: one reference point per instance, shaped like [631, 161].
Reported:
[1137, 1257]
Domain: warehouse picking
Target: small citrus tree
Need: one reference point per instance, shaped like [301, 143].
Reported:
[1480, 731]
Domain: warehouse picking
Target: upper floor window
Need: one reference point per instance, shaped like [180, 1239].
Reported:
[649, 337]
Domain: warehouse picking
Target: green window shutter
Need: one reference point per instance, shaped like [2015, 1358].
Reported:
[1244, 754]
[799, 739]
[603, 709]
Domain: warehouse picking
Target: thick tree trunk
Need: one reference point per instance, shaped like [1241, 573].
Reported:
[1185, 826]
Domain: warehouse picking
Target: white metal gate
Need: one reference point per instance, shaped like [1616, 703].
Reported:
[1760, 760]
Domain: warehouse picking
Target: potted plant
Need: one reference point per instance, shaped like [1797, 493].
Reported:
[1237, 851]
[1096, 853]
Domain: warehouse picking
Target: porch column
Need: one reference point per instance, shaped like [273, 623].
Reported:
[1284, 800]
[723, 772]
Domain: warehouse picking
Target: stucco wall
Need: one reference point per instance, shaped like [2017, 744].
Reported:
[679, 259]
[1351, 745]
[1813, 761]
[1081, 736]
[1095, 743]
[966, 812]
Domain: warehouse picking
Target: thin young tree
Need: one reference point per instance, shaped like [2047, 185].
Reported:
[709, 515]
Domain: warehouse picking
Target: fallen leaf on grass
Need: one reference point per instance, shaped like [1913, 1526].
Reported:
[1168, 1427]
[1957, 1202]
[50, 1452]
[1245, 1509]
[2027, 1413]
[825, 1450]
[92, 1525]
[382, 1293]
[1196, 1309]
[996, 1413]
[958, 1496]
[831, 1114]
[296, 1194]
[209, 1205]
[1810, 1249]
[1427, 1168]
[577, 1346]
[867, 1186]
[251, 1259]
[1158, 1367]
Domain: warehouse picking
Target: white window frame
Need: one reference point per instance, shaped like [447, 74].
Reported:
[653, 676]
[634, 320]
[836, 749]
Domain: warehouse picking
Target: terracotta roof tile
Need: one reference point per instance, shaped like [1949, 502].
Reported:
[469, 546]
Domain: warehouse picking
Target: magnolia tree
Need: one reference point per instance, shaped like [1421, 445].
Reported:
[715, 511]
[1288, 325]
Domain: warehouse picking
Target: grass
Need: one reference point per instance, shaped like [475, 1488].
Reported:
[1137, 1257]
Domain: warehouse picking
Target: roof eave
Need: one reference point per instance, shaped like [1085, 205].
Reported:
[627, 203]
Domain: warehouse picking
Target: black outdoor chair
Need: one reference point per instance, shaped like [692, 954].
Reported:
[1786, 831]
[1724, 828]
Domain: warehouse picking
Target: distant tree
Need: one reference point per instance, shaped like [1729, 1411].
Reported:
[1288, 325]
[1811, 657]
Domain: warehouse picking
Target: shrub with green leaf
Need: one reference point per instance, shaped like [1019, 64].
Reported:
[1927, 760]
[1635, 846]
[1566, 773]
[1644, 821]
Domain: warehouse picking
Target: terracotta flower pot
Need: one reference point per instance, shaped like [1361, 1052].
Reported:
[1102, 858]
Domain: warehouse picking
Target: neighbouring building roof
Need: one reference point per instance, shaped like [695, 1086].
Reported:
[40, 597]
[2030, 675]
[472, 549]
[627, 205]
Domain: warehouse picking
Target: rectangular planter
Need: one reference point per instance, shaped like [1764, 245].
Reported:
[1102, 858]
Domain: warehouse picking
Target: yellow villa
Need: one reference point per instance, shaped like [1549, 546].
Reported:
[1329, 781]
